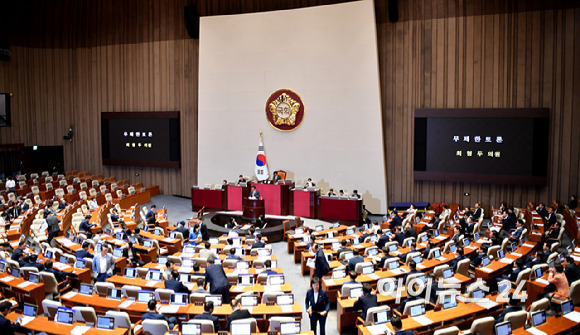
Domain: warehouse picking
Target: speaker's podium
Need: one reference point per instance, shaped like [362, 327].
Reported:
[253, 208]
[276, 196]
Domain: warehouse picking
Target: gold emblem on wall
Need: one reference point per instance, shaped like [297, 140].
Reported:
[285, 110]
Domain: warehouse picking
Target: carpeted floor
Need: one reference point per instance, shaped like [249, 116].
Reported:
[180, 209]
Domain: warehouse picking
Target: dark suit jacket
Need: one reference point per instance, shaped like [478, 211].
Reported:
[518, 233]
[176, 286]
[39, 266]
[426, 253]
[216, 278]
[16, 254]
[237, 315]
[322, 302]
[321, 264]
[396, 221]
[572, 272]
[477, 214]
[6, 327]
[341, 250]
[508, 309]
[59, 275]
[455, 239]
[209, 316]
[259, 244]
[454, 262]
[382, 241]
[236, 257]
[365, 302]
[154, 316]
[550, 220]
[82, 253]
[411, 232]
[400, 237]
[204, 232]
[255, 194]
[404, 332]
[477, 260]
[353, 262]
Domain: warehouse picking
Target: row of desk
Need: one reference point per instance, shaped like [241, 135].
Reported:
[279, 199]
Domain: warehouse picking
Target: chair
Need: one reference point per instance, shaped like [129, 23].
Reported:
[93, 192]
[35, 190]
[95, 183]
[438, 270]
[373, 310]
[406, 241]
[69, 188]
[517, 319]
[381, 285]
[51, 285]
[206, 325]
[575, 292]
[155, 327]
[275, 322]
[83, 195]
[412, 276]
[543, 266]
[553, 256]
[358, 267]
[447, 247]
[131, 190]
[84, 314]
[197, 297]
[407, 309]
[504, 245]
[24, 271]
[270, 296]
[345, 289]
[101, 287]
[523, 275]
[142, 272]
[554, 247]
[410, 256]
[50, 306]
[37, 199]
[130, 291]
[447, 331]
[463, 267]
[492, 251]
[163, 294]
[366, 253]
[482, 325]
[252, 321]
[539, 305]
[122, 320]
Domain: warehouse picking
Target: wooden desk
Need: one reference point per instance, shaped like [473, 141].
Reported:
[137, 198]
[235, 196]
[304, 203]
[173, 245]
[253, 208]
[260, 289]
[334, 208]
[43, 324]
[554, 325]
[120, 281]
[496, 267]
[208, 198]
[22, 290]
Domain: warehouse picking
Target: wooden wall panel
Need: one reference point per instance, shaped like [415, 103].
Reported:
[73, 59]
[519, 59]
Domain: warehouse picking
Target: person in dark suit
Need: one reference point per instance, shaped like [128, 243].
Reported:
[174, 283]
[153, 315]
[320, 261]
[254, 193]
[181, 229]
[237, 314]
[32, 262]
[413, 269]
[550, 236]
[224, 184]
[217, 280]
[19, 251]
[517, 234]
[352, 280]
[410, 231]
[536, 259]
[343, 248]
[550, 218]
[58, 275]
[6, 326]
[208, 315]
[317, 306]
[386, 256]
[395, 220]
[233, 255]
[23, 206]
[382, 240]
[241, 179]
[513, 276]
[357, 258]
[355, 194]
[541, 210]
[413, 248]
[427, 250]
[366, 301]
[53, 228]
[114, 215]
[398, 326]
[85, 225]
[84, 251]
[399, 236]
[477, 212]
[268, 268]
[512, 307]
[458, 257]
[481, 253]
[571, 270]
[203, 231]
[258, 243]
[456, 234]
[151, 213]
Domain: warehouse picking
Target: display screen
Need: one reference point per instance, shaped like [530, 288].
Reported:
[507, 146]
[141, 139]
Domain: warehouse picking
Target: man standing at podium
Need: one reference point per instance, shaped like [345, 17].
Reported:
[255, 193]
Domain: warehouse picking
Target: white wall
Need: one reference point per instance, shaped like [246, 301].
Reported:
[328, 55]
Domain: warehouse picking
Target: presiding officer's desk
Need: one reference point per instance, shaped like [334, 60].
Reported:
[43, 324]
[340, 208]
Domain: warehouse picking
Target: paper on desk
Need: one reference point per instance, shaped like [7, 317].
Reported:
[398, 271]
[150, 283]
[238, 289]
[542, 281]
[6, 279]
[26, 319]
[272, 288]
[378, 329]
[573, 316]
[527, 245]
[517, 254]
[125, 304]
[69, 295]
[576, 258]
[488, 270]
[171, 309]
[486, 303]
[535, 331]
[440, 237]
[79, 330]
[297, 235]
[250, 309]
[420, 266]
[24, 284]
[423, 320]
[330, 282]
[506, 260]
[59, 266]
[481, 241]
[375, 276]
[452, 280]
[286, 309]
[160, 266]
[169, 240]
[576, 249]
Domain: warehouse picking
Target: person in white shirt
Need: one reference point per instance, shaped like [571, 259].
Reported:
[93, 204]
[11, 185]
[103, 264]
[309, 183]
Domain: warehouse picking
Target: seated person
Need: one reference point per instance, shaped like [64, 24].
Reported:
[207, 252]
[331, 193]
[352, 275]
[413, 248]
[241, 179]
[258, 243]
[459, 256]
[399, 235]
[208, 315]
[114, 215]
[383, 239]
[84, 251]
[169, 268]
[343, 248]
[268, 268]
[32, 262]
[58, 275]
[233, 255]
[571, 270]
[174, 283]
[410, 230]
[357, 258]
[512, 307]
[536, 259]
[238, 313]
[309, 183]
[517, 234]
[518, 266]
[366, 301]
[355, 194]
[398, 326]
[200, 286]
[182, 229]
[427, 249]
[152, 314]
[558, 279]
[481, 254]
